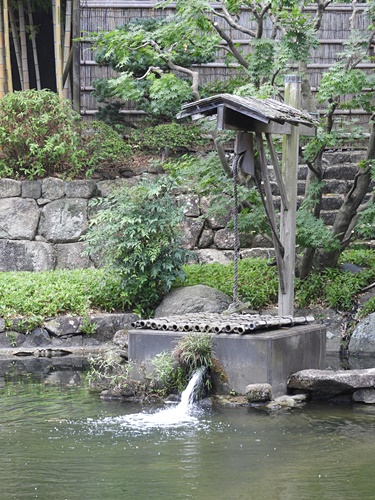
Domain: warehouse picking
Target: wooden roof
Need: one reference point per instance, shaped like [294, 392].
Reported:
[247, 110]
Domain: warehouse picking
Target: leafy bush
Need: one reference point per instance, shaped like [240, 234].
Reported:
[136, 235]
[257, 283]
[335, 288]
[173, 136]
[40, 135]
[103, 146]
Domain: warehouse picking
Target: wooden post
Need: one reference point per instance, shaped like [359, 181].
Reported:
[292, 97]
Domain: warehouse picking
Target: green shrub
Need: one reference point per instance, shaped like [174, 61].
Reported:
[257, 283]
[171, 136]
[136, 235]
[335, 288]
[103, 146]
[40, 136]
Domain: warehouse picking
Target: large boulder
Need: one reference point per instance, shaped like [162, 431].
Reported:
[193, 299]
[362, 340]
[328, 383]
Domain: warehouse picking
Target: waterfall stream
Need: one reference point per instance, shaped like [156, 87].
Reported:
[184, 413]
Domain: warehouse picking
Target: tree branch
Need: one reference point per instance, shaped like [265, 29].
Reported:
[194, 75]
[232, 23]
[231, 46]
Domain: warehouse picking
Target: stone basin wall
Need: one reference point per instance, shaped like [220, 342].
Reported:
[42, 221]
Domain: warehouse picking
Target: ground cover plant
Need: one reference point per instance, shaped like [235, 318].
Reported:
[39, 295]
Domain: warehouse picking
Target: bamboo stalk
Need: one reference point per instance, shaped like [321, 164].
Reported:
[33, 44]
[67, 41]
[16, 43]
[2, 56]
[25, 67]
[56, 9]
[7, 48]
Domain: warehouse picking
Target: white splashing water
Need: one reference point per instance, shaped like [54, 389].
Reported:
[185, 413]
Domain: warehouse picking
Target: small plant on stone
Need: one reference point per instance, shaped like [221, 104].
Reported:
[12, 339]
[88, 327]
[108, 370]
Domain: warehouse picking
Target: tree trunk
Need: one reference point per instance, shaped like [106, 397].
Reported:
[349, 208]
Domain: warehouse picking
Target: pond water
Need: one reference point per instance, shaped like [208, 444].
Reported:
[65, 443]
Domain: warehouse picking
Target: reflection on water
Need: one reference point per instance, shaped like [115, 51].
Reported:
[67, 444]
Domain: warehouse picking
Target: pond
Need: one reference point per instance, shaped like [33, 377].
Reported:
[65, 443]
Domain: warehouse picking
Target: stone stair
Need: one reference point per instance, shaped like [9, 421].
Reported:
[339, 171]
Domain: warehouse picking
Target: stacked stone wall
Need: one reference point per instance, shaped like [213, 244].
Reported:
[42, 222]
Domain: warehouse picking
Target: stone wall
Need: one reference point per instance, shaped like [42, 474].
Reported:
[42, 221]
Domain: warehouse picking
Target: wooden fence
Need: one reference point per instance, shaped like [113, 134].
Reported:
[106, 15]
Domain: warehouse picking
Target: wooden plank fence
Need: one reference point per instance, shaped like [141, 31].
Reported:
[97, 15]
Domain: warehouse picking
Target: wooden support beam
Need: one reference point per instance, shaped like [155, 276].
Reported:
[278, 175]
[279, 251]
[292, 97]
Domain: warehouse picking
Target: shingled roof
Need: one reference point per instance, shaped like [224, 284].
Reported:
[262, 110]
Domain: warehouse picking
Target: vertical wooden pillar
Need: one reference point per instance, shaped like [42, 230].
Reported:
[292, 97]
[76, 68]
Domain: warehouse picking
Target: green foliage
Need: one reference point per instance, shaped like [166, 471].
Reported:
[165, 373]
[108, 370]
[313, 233]
[368, 308]
[166, 95]
[172, 371]
[171, 136]
[366, 222]
[40, 135]
[257, 282]
[205, 176]
[103, 146]
[135, 234]
[343, 81]
[143, 51]
[335, 288]
[34, 296]
[193, 351]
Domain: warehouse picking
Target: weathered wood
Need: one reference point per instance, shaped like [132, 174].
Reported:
[278, 175]
[279, 250]
[288, 214]
[244, 145]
